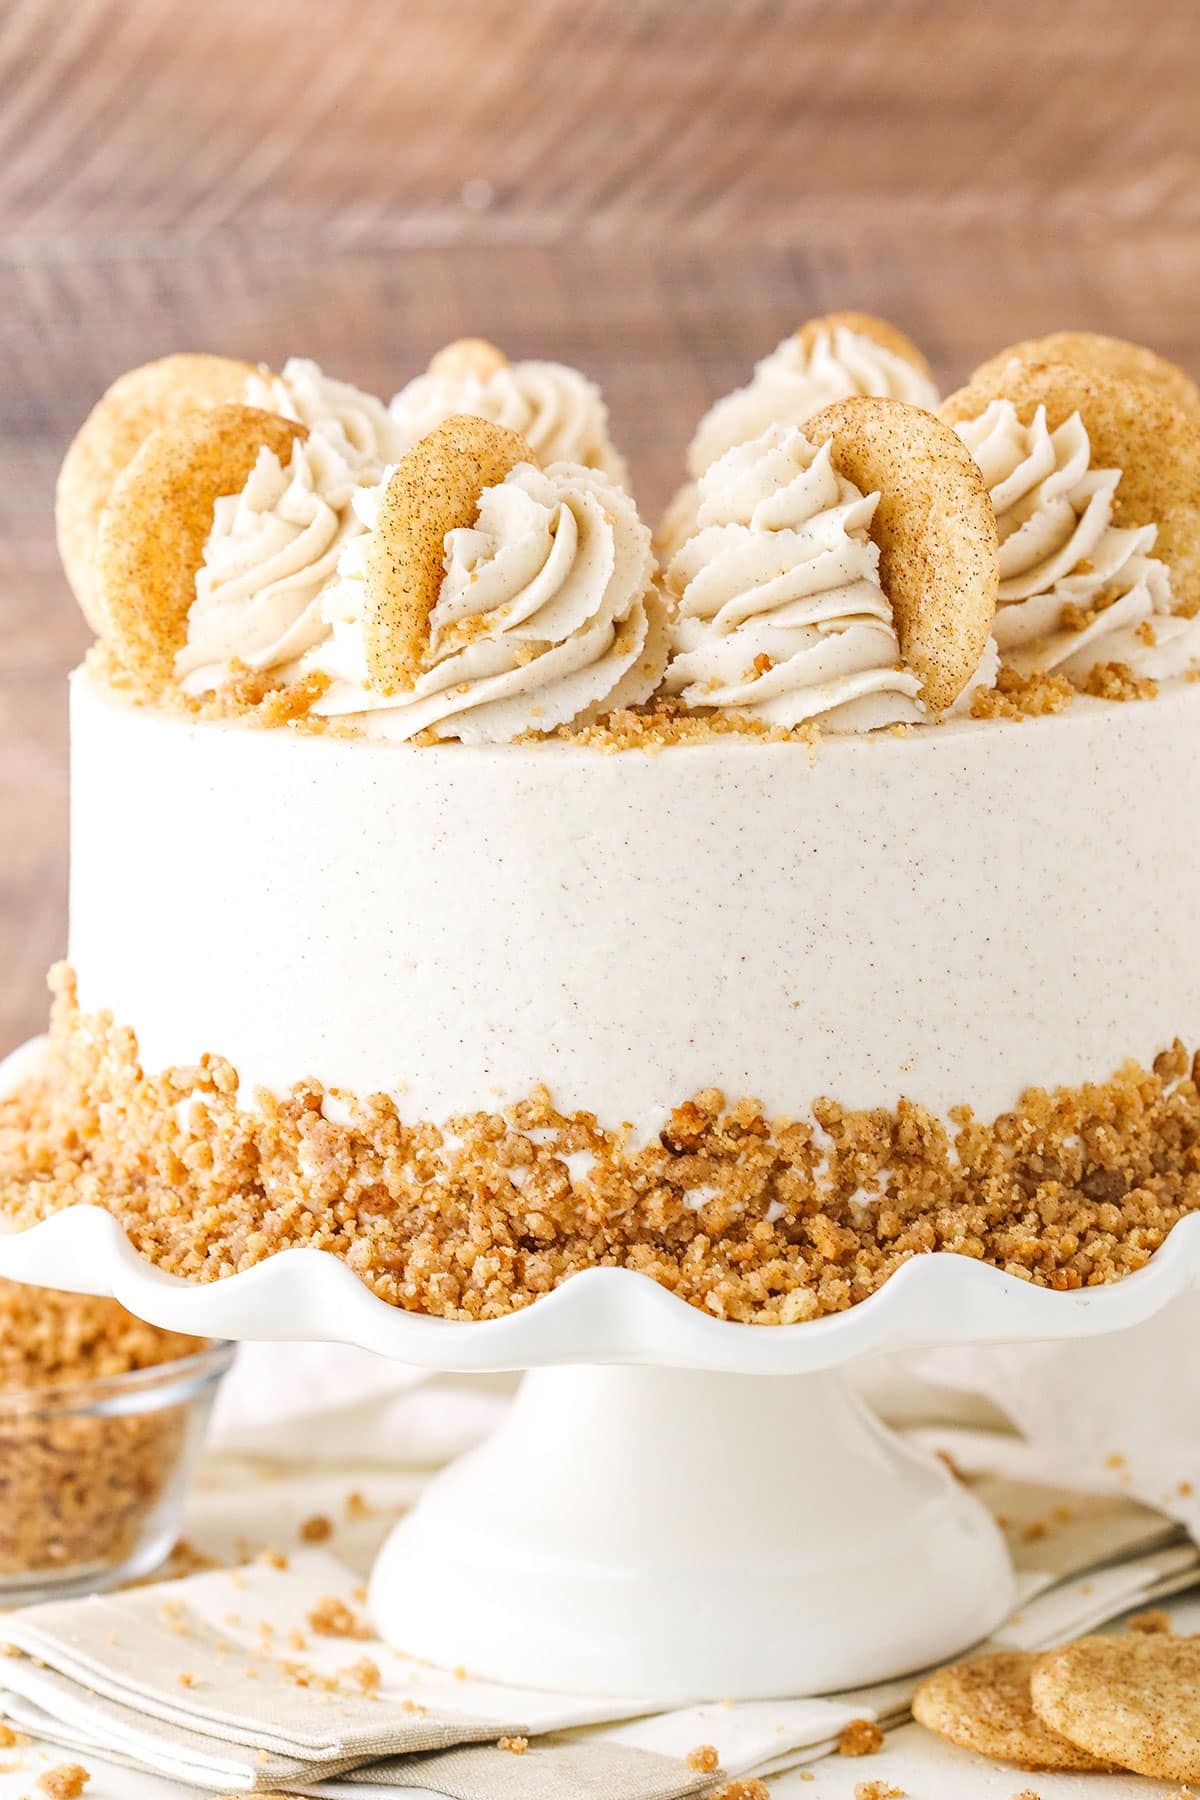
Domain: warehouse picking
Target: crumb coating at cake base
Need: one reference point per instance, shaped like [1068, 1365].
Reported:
[756, 1220]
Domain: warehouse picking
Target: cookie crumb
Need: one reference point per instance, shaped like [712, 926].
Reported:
[66, 1781]
[703, 1759]
[364, 1674]
[516, 1746]
[316, 1530]
[861, 1737]
[331, 1617]
[948, 1462]
[749, 1788]
[1154, 1623]
[1117, 681]
[877, 1790]
[1017, 696]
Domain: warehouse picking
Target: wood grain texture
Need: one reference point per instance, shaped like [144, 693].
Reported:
[655, 189]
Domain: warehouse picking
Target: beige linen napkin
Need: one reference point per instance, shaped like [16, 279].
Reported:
[544, 1771]
[113, 1668]
[224, 1676]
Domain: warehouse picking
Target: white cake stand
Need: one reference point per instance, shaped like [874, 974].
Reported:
[675, 1507]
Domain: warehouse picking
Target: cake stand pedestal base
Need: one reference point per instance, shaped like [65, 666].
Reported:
[688, 1535]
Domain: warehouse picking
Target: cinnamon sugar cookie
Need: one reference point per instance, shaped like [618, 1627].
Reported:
[1097, 354]
[158, 517]
[134, 406]
[467, 357]
[434, 489]
[1133, 1700]
[1143, 433]
[936, 531]
[984, 1705]
[879, 331]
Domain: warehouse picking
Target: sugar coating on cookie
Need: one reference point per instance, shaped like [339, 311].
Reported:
[984, 1705]
[1101, 355]
[157, 521]
[120, 422]
[1141, 431]
[434, 489]
[1134, 1700]
[936, 531]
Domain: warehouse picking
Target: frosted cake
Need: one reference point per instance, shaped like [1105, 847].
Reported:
[459, 889]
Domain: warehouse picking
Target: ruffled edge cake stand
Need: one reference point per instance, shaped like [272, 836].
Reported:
[676, 1506]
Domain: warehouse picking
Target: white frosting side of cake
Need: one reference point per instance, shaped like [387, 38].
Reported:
[951, 916]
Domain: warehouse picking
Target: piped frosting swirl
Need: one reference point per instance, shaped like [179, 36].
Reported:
[274, 546]
[556, 409]
[781, 614]
[271, 551]
[804, 373]
[1075, 589]
[355, 423]
[546, 616]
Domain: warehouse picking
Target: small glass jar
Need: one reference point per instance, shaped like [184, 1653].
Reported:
[94, 1475]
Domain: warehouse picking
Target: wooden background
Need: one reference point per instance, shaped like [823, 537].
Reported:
[655, 189]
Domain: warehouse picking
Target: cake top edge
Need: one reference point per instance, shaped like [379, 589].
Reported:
[643, 735]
